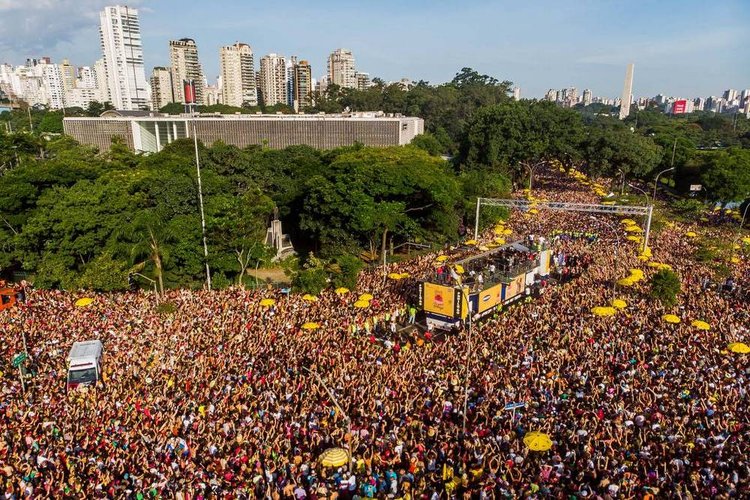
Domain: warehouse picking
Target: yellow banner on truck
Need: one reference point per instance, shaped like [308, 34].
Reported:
[490, 297]
[440, 299]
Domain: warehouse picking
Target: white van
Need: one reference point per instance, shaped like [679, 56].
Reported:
[85, 363]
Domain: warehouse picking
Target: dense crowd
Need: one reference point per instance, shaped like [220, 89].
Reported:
[225, 398]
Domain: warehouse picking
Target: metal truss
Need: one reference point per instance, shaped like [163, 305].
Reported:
[646, 211]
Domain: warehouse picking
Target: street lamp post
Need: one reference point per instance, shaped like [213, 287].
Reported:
[335, 401]
[200, 200]
[648, 216]
[739, 229]
[466, 367]
[656, 181]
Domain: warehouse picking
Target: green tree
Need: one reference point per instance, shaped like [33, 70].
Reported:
[665, 286]
[725, 175]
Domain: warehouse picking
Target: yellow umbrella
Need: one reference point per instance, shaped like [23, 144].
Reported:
[739, 347]
[671, 318]
[471, 242]
[341, 290]
[334, 457]
[366, 297]
[636, 272]
[701, 325]
[267, 302]
[734, 260]
[309, 298]
[608, 202]
[643, 258]
[625, 282]
[483, 248]
[647, 252]
[631, 237]
[604, 311]
[507, 231]
[362, 304]
[534, 211]
[633, 229]
[311, 326]
[500, 241]
[537, 441]
[492, 245]
[746, 240]
[405, 275]
[442, 258]
[459, 269]
[619, 304]
[691, 234]
[394, 276]
[84, 302]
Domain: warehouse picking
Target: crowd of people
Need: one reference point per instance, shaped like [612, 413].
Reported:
[227, 398]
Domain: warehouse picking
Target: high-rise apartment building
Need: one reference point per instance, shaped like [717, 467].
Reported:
[627, 93]
[68, 75]
[273, 79]
[363, 80]
[185, 66]
[238, 83]
[341, 70]
[730, 95]
[587, 97]
[161, 87]
[551, 95]
[517, 93]
[120, 35]
[52, 79]
[302, 85]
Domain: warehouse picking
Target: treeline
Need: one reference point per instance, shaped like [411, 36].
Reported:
[74, 217]
[80, 219]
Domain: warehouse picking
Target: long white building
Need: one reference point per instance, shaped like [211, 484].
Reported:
[120, 34]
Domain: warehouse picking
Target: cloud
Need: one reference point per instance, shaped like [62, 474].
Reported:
[33, 28]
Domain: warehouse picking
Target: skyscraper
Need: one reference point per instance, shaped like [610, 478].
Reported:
[185, 66]
[161, 88]
[68, 74]
[237, 68]
[120, 35]
[302, 83]
[627, 93]
[587, 98]
[273, 79]
[341, 70]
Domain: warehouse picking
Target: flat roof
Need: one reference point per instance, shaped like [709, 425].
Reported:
[146, 116]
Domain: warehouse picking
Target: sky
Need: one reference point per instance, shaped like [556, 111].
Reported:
[681, 48]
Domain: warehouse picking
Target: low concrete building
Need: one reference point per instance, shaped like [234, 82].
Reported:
[150, 132]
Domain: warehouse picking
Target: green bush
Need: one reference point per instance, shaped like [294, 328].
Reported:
[312, 280]
[345, 271]
[688, 208]
[665, 286]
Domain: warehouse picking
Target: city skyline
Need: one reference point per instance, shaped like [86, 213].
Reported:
[699, 58]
